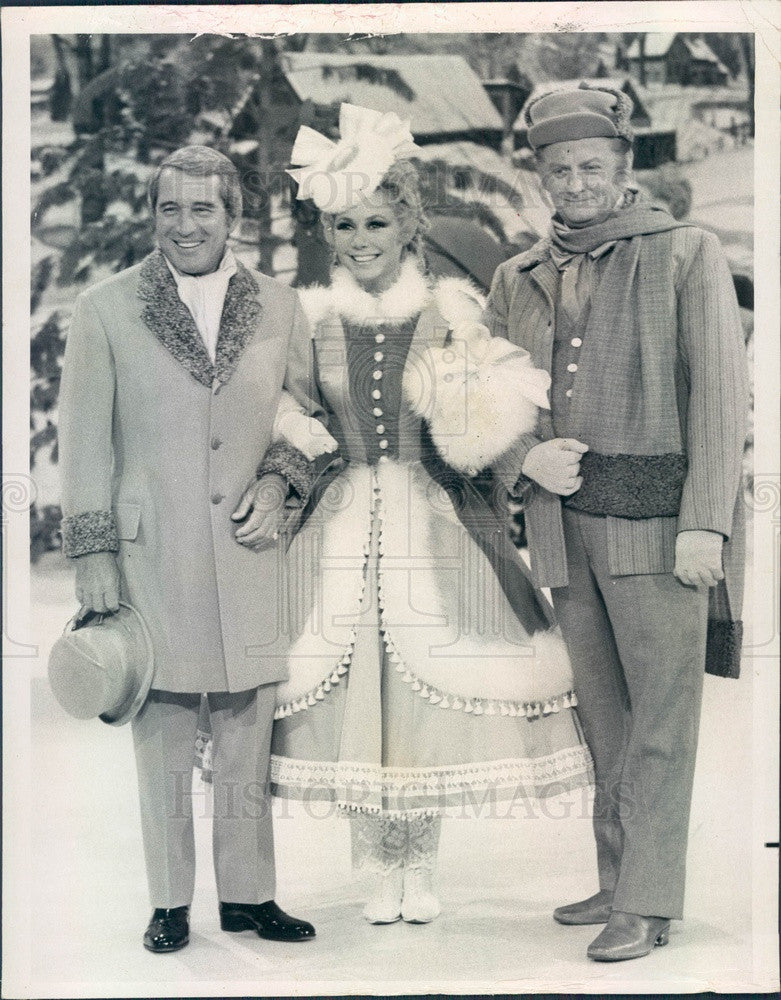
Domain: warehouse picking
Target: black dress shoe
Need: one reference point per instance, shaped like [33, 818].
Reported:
[168, 930]
[267, 919]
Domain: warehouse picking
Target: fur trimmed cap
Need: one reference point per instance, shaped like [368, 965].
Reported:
[584, 112]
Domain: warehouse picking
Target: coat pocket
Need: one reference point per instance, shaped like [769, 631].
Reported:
[127, 516]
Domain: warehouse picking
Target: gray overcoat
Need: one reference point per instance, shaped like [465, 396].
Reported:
[157, 445]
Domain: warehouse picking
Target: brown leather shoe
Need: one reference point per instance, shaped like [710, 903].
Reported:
[628, 935]
[594, 910]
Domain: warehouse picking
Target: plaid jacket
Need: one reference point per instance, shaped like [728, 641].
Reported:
[712, 400]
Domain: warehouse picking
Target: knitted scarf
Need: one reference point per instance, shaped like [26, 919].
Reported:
[626, 397]
[635, 220]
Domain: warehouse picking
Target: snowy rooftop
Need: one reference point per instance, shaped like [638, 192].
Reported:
[443, 94]
[657, 45]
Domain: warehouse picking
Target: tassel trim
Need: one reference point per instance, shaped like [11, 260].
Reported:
[446, 699]
[481, 706]
[433, 695]
[352, 809]
[317, 694]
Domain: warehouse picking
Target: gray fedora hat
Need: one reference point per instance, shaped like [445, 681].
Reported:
[102, 665]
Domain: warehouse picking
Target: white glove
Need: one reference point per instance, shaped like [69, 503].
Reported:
[305, 433]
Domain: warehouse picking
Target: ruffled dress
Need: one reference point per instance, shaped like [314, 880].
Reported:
[424, 676]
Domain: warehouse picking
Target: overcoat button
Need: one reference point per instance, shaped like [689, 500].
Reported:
[217, 498]
[216, 443]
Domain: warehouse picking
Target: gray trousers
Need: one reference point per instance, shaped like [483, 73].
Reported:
[242, 832]
[637, 645]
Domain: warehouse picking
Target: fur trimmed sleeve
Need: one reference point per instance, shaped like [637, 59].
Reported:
[91, 531]
[290, 463]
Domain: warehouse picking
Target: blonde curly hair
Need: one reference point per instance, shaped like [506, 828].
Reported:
[401, 185]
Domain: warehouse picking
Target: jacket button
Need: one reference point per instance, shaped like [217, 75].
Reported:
[217, 498]
[216, 443]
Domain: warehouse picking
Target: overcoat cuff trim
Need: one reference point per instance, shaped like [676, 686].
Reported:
[631, 486]
[725, 639]
[92, 531]
[290, 463]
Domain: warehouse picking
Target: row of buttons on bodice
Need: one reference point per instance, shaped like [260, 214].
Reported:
[377, 412]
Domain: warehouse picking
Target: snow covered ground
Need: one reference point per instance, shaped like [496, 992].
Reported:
[499, 878]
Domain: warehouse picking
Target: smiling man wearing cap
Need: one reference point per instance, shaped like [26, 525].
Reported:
[633, 509]
[173, 372]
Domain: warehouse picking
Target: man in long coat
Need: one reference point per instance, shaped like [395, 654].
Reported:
[173, 371]
[633, 513]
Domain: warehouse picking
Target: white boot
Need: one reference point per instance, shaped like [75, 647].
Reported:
[384, 904]
[419, 904]
[379, 845]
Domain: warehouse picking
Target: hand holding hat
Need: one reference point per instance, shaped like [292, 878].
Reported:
[102, 665]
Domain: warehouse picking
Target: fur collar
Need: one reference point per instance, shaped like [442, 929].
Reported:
[456, 299]
[405, 298]
[171, 322]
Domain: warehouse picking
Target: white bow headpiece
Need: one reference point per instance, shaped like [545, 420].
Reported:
[336, 175]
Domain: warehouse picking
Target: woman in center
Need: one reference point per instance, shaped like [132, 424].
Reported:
[424, 671]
